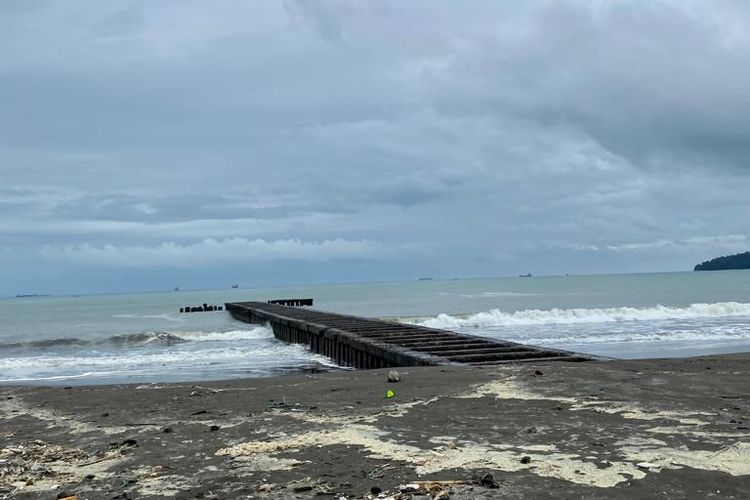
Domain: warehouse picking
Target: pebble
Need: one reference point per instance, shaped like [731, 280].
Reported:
[393, 376]
[646, 465]
[488, 481]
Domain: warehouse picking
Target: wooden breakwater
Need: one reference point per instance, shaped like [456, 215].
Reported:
[374, 343]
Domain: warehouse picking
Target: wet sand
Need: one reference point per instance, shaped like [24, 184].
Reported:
[677, 428]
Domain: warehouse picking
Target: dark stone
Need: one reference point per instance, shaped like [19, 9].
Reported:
[538, 373]
[376, 490]
[488, 481]
[105, 414]
[64, 494]
[214, 428]
[129, 442]
[531, 430]
[167, 430]
[525, 460]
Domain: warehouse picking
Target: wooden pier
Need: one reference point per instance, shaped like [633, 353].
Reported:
[373, 343]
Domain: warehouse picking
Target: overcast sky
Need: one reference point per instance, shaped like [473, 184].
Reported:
[146, 145]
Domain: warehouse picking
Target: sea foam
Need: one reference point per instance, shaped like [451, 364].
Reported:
[496, 317]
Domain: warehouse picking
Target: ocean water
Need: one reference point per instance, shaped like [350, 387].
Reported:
[144, 338]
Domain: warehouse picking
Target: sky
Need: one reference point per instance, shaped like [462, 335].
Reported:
[146, 145]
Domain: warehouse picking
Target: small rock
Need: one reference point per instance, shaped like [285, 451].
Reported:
[129, 442]
[646, 465]
[302, 488]
[214, 428]
[105, 414]
[531, 430]
[167, 430]
[409, 488]
[266, 487]
[538, 373]
[393, 376]
[525, 460]
[376, 490]
[488, 481]
[441, 495]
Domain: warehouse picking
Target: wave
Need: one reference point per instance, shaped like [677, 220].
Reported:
[723, 335]
[495, 317]
[265, 355]
[152, 338]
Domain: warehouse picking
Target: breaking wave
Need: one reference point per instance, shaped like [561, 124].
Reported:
[496, 317]
[152, 338]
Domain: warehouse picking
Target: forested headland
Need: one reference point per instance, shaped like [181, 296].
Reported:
[736, 261]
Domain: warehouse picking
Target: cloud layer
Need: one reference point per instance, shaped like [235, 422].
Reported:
[452, 139]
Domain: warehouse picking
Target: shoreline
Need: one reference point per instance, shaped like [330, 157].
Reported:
[676, 427]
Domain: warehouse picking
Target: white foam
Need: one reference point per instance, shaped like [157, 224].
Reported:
[722, 335]
[496, 317]
[261, 332]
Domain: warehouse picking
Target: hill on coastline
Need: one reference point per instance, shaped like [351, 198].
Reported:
[737, 261]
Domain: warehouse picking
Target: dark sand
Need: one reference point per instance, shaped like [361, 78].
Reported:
[619, 429]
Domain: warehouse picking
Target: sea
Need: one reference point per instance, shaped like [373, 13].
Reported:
[143, 338]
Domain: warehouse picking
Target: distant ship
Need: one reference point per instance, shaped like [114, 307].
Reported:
[177, 289]
[235, 286]
[527, 275]
[424, 279]
[24, 295]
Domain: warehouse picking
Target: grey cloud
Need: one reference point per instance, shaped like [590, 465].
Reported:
[498, 134]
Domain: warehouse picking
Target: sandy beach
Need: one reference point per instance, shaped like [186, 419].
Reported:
[675, 428]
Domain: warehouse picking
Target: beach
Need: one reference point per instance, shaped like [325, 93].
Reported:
[659, 428]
